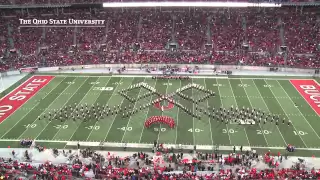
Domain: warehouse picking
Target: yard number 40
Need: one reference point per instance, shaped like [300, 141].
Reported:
[195, 130]
[30, 125]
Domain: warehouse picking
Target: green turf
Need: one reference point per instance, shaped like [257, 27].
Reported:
[272, 95]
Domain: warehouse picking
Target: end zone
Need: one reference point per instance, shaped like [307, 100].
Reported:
[16, 98]
[310, 91]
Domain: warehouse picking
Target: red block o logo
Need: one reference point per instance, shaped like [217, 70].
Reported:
[169, 106]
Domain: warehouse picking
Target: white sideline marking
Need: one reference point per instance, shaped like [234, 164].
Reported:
[141, 145]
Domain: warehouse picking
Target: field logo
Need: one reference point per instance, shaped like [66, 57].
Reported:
[22, 94]
[168, 106]
[310, 90]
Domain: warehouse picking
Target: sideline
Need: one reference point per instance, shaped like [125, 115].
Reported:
[145, 145]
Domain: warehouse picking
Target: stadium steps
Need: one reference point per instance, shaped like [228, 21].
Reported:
[281, 31]
[104, 39]
[173, 30]
[75, 35]
[208, 32]
[10, 39]
[41, 40]
[139, 27]
[244, 27]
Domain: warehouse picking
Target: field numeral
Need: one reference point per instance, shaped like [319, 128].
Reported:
[230, 131]
[267, 86]
[263, 132]
[217, 85]
[195, 130]
[243, 85]
[60, 126]
[71, 82]
[117, 83]
[167, 84]
[300, 133]
[161, 129]
[126, 129]
[30, 125]
[93, 127]
[95, 83]
[103, 88]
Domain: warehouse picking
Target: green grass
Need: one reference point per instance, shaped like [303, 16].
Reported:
[273, 95]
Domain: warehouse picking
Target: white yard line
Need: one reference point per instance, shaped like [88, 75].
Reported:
[75, 109]
[32, 108]
[299, 110]
[205, 86]
[55, 114]
[132, 115]
[147, 114]
[49, 108]
[223, 106]
[162, 112]
[245, 131]
[315, 82]
[193, 134]
[115, 90]
[28, 99]
[269, 110]
[114, 118]
[115, 115]
[177, 120]
[252, 107]
[286, 115]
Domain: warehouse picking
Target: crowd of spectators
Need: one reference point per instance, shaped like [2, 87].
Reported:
[223, 36]
[163, 164]
[9, 2]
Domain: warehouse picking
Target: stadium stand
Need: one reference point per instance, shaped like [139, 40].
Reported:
[21, 2]
[161, 165]
[234, 36]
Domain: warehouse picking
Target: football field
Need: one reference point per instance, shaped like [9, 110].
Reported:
[278, 96]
